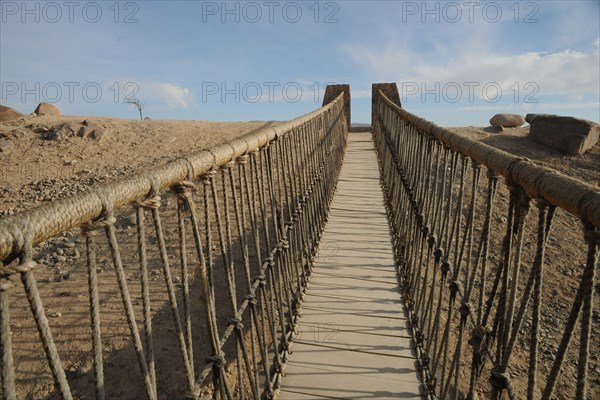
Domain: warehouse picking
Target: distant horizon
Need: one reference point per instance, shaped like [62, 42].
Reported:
[455, 63]
[357, 124]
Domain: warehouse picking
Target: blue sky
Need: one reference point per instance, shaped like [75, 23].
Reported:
[455, 63]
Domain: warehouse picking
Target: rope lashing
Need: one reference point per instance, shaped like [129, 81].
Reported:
[150, 203]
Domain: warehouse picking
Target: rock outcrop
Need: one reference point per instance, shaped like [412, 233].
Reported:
[568, 135]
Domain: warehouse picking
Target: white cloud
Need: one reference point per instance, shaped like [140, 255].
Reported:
[172, 95]
[565, 73]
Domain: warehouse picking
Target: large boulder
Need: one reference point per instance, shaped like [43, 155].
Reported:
[568, 135]
[507, 120]
[47, 109]
[8, 114]
[531, 117]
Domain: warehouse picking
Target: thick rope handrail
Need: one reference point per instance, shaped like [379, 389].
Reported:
[48, 220]
[573, 195]
[474, 311]
[235, 249]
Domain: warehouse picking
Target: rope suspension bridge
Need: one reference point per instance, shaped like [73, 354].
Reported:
[304, 261]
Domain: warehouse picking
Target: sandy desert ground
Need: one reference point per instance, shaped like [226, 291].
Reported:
[34, 170]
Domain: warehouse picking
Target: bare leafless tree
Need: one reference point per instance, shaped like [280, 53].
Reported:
[137, 104]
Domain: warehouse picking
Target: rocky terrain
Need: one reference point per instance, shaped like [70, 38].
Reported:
[47, 157]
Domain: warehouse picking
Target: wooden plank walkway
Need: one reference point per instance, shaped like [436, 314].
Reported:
[353, 341]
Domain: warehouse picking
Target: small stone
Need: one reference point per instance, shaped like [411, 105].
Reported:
[56, 314]
[60, 132]
[91, 130]
[61, 259]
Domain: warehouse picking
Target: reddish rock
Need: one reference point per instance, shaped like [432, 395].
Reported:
[8, 114]
[47, 109]
[566, 134]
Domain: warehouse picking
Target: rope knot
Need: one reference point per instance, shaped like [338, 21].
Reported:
[465, 309]
[236, 322]
[491, 175]
[91, 228]
[183, 189]
[278, 365]
[431, 241]
[431, 384]
[438, 253]
[229, 164]
[419, 338]
[270, 261]
[521, 196]
[500, 380]
[446, 268]
[414, 321]
[424, 363]
[420, 218]
[218, 360]
[261, 279]
[454, 287]
[26, 266]
[251, 299]
[151, 203]
[409, 302]
[208, 176]
[477, 335]
[243, 159]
